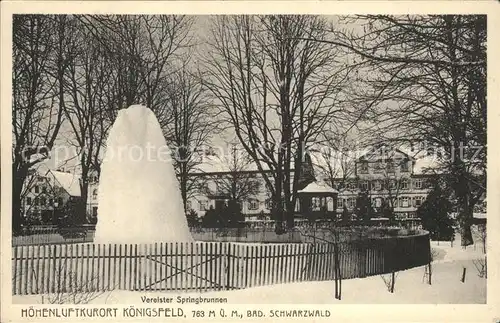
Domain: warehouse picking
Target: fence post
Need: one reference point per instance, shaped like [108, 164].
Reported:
[228, 267]
[463, 275]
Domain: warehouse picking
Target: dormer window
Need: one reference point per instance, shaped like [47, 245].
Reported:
[253, 204]
[363, 168]
[404, 166]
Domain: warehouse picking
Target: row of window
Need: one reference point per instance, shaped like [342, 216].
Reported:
[379, 168]
[38, 188]
[377, 185]
[252, 205]
[402, 202]
[42, 201]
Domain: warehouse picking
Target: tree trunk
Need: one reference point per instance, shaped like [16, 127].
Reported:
[183, 186]
[465, 211]
[19, 177]
[393, 281]
[430, 273]
[81, 217]
[338, 278]
[465, 222]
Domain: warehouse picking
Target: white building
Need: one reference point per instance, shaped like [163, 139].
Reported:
[48, 190]
[399, 176]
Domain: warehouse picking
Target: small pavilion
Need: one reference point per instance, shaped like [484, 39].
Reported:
[318, 200]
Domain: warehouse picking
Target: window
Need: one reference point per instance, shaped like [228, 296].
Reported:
[377, 185]
[269, 204]
[378, 202]
[51, 202]
[418, 201]
[28, 201]
[44, 189]
[37, 189]
[351, 203]
[203, 205]
[40, 179]
[404, 184]
[253, 205]
[94, 193]
[363, 168]
[94, 211]
[417, 184]
[377, 168]
[60, 201]
[36, 201]
[340, 203]
[404, 166]
[392, 184]
[42, 201]
[364, 186]
[404, 202]
[189, 205]
[390, 167]
[317, 203]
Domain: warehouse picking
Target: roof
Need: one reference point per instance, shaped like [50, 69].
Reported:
[323, 161]
[317, 187]
[337, 162]
[68, 181]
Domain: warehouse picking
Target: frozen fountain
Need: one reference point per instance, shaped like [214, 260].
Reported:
[139, 197]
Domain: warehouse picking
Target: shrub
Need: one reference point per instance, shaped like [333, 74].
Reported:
[192, 218]
[364, 209]
[434, 214]
[346, 216]
[210, 219]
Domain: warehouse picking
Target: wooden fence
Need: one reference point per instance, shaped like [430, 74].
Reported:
[203, 266]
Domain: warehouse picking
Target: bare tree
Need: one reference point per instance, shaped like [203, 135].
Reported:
[239, 182]
[87, 84]
[42, 52]
[336, 159]
[122, 60]
[277, 93]
[426, 81]
[332, 235]
[390, 280]
[192, 123]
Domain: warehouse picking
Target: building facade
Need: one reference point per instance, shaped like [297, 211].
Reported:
[382, 173]
[387, 174]
[47, 191]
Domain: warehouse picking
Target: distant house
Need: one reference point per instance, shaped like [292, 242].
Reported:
[384, 173]
[50, 190]
[389, 174]
[215, 180]
[47, 191]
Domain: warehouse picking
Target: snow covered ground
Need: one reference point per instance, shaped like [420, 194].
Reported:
[410, 287]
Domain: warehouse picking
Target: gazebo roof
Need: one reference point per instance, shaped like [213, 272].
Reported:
[316, 188]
